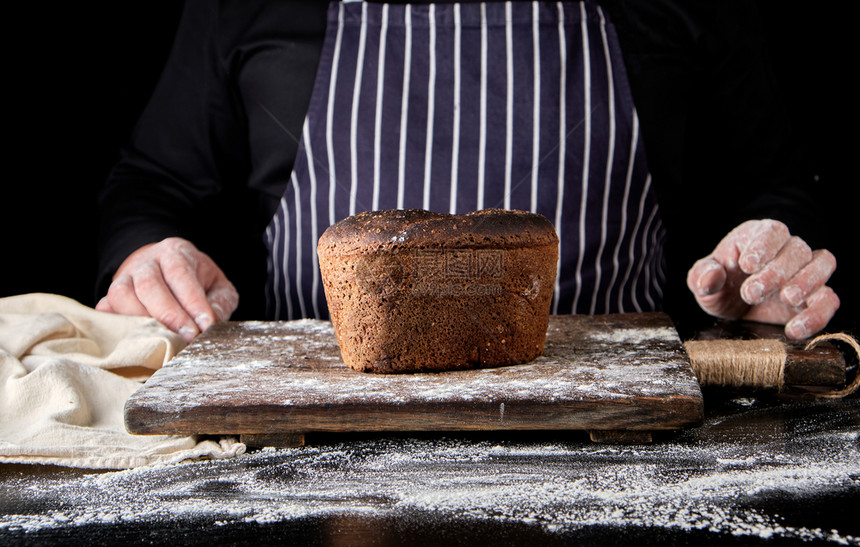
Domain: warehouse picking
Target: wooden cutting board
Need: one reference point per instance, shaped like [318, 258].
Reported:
[618, 376]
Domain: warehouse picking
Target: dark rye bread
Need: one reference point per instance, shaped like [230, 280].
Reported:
[412, 290]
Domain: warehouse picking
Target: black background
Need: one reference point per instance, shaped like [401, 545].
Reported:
[78, 76]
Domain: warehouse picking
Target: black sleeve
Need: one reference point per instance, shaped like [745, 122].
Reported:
[212, 153]
[718, 141]
[186, 144]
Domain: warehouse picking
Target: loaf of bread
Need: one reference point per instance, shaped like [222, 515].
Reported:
[412, 290]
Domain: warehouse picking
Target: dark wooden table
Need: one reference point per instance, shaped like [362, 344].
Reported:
[760, 469]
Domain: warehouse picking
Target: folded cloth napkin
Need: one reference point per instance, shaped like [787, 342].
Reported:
[66, 371]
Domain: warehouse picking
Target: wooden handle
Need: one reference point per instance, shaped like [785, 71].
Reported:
[820, 366]
[764, 363]
[823, 365]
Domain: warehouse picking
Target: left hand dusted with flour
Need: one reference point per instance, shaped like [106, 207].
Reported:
[760, 272]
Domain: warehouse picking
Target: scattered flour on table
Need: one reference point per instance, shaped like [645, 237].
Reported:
[559, 486]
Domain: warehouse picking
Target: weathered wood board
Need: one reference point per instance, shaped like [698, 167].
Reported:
[603, 373]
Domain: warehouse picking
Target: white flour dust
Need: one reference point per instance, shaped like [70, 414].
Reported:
[636, 336]
[697, 484]
[298, 364]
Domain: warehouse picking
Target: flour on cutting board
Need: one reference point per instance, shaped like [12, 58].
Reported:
[298, 363]
[694, 483]
[636, 336]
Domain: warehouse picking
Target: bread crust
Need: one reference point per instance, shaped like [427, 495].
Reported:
[412, 291]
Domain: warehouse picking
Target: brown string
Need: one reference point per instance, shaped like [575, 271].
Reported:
[852, 387]
[753, 363]
[738, 363]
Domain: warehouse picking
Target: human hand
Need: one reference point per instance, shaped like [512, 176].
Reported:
[175, 283]
[760, 272]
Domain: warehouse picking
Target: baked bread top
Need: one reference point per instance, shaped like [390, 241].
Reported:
[410, 228]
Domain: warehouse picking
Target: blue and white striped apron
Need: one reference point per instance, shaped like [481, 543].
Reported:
[458, 107]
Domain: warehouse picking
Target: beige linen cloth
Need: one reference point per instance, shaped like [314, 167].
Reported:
[66, 371]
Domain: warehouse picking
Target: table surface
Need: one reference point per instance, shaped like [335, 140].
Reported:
[760, 469]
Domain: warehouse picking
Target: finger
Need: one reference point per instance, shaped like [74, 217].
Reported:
[224, 300]
[822, 305]
[809, 278]
[772, 311]
[724, 302]
[180, 271]
[707, 276]
[220, 293]
[793, 256]
[121, 297]
[727, 251]
[103, 305]
[159, 300]
[762, 244]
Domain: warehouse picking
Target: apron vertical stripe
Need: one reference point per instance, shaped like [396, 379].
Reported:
[625, 204]
[312, 202]
[285, 264]
[610, 156]
[380, 72]
[586, 156]
[272, 285]
[431, 98]
[657, 263]
[509, 110]
[455, 140]
[482, 139]
[404, 107]
[648, 266]
[642, 259]
[631, 251]
[274, 274]
[562, 149]
[298, 202]
[332, 179]
[356, 95]
[535, 106]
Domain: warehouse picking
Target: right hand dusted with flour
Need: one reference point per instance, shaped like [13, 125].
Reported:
[175, 283]
[760, 272]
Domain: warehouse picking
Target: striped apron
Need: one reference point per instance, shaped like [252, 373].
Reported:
[459, 107]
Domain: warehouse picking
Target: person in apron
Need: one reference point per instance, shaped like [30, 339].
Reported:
[458, 107]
